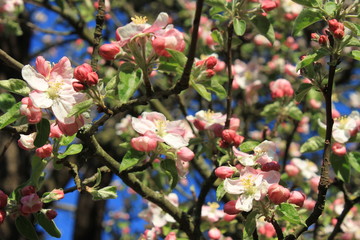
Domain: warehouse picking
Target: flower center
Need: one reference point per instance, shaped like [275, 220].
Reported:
[160, 128]
[53, 90]
[209, 115]
[139, 20]
[248, 182]
[214, 205]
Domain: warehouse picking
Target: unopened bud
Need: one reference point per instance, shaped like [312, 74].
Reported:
[210, 62]
[224, 172]
[273, 165]
[27, 190]
[278, 194]
[78, 86]
[230, 208]
[297, 198]
[3, 199]
[51, 214]
[109, 51]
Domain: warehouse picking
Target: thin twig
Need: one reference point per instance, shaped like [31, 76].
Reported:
[100, 19]
[11, 62]
[230, 31]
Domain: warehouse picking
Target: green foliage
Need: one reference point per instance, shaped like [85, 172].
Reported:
[289, 213]
[66, 140]
[26, 228]
[264, 27]
[313, 144]
[202, 91]
[220, 191]
[43, 132]
[37, 171]
[248, 146]
[250, 223]
[17, 86]
[6, 101]
[341, 167]
[307, 17]
[308, 3]
[311, 58]
[131, 158]
[71, 150]
[355, 54]
[239, 26]
[10, 116]
[302, 91]
[48, 225]
[330, 8]
[168, 165]
[80, 107]
[271, 111]
[354, 160]
[108, 192]
[294, 112]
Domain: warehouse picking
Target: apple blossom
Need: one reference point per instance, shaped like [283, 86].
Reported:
[278, 194]
[230, 208]
[44, 151]
[345, 127]
[297, 198]
[171, 236]
[144, 143]
[214, 234]
[30, 203]
[224, 172]
[3, 199]
[339, 149]
[185, 154]
[51, 214]
[270, 166]
[27, 190]
[109, 51]
[208, 120]
[292, 170]
[168, 38]
[26, 142]
[52, 87]
[211, 212]
[281, 88]
[307, 168]
[28, 109]
[70, 129]
[55, 131]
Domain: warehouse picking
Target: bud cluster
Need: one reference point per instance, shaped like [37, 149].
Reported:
[337, 28]
[207, 66]
[230, 138]
[86, 76]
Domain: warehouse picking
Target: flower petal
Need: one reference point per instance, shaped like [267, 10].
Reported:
[142, 125]
[244, 202]
[174, 140]
[233, 186]
[41, 99]
[34, 79]
[62, 69]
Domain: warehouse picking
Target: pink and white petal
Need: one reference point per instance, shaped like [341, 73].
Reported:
[153, 116]
[130, 30]
[62, 69]
[271, 177]
[61, 111]
[142, 125]
[161, 21]
[341, 135]
[40, 99]
[244, 203]
[174, 140]
[233, 186]
[34, 79]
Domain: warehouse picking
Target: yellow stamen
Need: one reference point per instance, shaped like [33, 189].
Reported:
[139, 20]
[214, 205]
[53, 90]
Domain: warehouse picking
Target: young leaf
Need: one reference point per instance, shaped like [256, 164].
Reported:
[355, 54]
[26, 228]
[129, 82]
[250, 223]
[312, 58]
[312, 144]
[307, 3]
[289, 213]
[354, 159]
[71, 150]
[80, 107]
[170, 168]
[17, 86]
[341, 167]
[271, 111]
[108, 192]
[217, 88]
[37, 171]
[248, 146]
[218, 37]
[10, 116]
[330, 8]
[131, 158]
[202, 91]
[306, 18]
[66, 140]
[302, 91]
[265, 28]
[48, 225]
[179, 57]
[239, 27]
[220, 191]
[216, 3]
[6, 101]
[295, 113]
[43, 131]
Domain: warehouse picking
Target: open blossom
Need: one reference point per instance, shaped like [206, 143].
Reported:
[251, 185]
[264, 153]
[208, 120]
[168, 38]
[345, 127]
[307, 168]
[245, 73]
[26, 142]
[281, 88]
[10, 6]
[211, 212]
[30, 203]
[52, 87]
[161, 129]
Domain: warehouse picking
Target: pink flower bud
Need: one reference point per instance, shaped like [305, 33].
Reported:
[57, 194]
[292, 170]
[171, 236]
[278, 194]
[71, 128]
[32, 113]
[55, 131]
[44, 151]
[339, 149]
[339, 33]
[200, 125]
[267, 230]
[314, 36]
[51, 214]
[210, 73]
[231, 137]
[268, 5]
[27, 190]
[144, 144]
[224, 172]
[3, 199]
[81, 72]
[214, 233]
[172, 39]
[229, 217]
[2, 216]
[270, 166]
[234, 123]
[92, 79]
[210, 62]
[309, 204]
[314, 183]
[26, 142]
[297, 198]
[230, 208]
[323, 40]
[185, 154]
[281, 88]
[30, 203]
[334, 25]
[78, 86]
[109, 51]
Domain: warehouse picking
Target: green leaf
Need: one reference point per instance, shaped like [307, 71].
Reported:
[355, 28]
[220, 191]
[6, 101]
[330, 8]
[43, 131]
[129, 82]
[108, 192]
[265, 28]
[216, 3]
[355, 54]
[202, 91]
[26, 228]
[66, 140]
[71, 150]
[217, 37]
[239, 27]
[302, 91]
[10, 116]
[48, 225]
[295, 113]
[271, 111]
[312, 144]
[217, 88]
[250, 223]
[248, 146]
[37, 171]
[131, 158]
[289, 213]
[309, 59]
[170, 168]
[17, 86]
[306, 18]
[341, 167]
[110, 87]
[354, 160]
[80, 107]
[307, 3]
[179, 57]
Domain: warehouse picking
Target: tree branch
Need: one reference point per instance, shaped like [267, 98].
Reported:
[11, 62]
